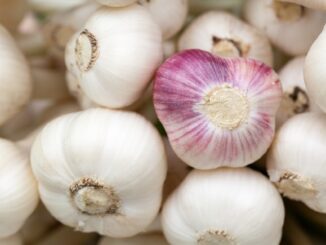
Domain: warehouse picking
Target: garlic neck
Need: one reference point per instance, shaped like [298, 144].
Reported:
[92, 198]
[212, 237]
[229, 48]
[86, 50]
[295, 186]
[288, 11]
[225, 106]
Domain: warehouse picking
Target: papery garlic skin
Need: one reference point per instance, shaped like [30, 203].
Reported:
[315, 4]
[18, 195]
[224, 206]
[315, 72]
[113, 160]
[296, 161]
[224, 34]
[144, 239]
[216, 111]
[54, 5]
[116, 54]
[295, 98]
[290, 27]
[170, 15]
[116, 3]
[15, 78]
[12, 13]
[12, 240]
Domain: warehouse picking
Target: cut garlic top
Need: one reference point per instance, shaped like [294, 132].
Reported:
[101, 170]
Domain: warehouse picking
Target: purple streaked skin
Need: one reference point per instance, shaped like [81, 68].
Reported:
[180, 86]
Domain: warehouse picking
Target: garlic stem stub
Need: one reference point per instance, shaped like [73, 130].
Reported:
[15, 78]
[101, 171]
[224, 34]
[296, 161]
[115, 55]
[315, 72]
[295, 97]
[224, 206]
[18, 195]
[217, 111]
[143, 239]
[290, 27]
[314, 4]
[116, 3]
[170, 15]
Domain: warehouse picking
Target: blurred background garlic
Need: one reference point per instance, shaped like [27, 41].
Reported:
[295, 98]
[217, 111]
[296, 161]
[54, 5]
[226, 35]
[315, 72]
[15, 78]
[116, 54]
[144, 239]
[224, 206]
[315, 4]
[200, 6]
[18, 195]
[12, 13]
[12, 240]
[290, 27]
[101, 170]
[170, 15]
[116, 3]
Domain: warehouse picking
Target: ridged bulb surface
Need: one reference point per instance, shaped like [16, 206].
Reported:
[18, 188]
[296, 161]
[101, 170]
[115, 55]
[15, 78]
[224, 206]
[224, 34]
[217, 111]
[290, 27]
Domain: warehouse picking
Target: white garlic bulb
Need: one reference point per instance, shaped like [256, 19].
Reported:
[170, 15]
[295, 98]
[101, 170]
[61, 27]
[144, 239]
[290, 27]
[115, 56]
[18, 195]
[54, 5]
[296, 161]
[12, 13]
[315, 4]
[116, 3]
[315, 72]
[12, 240]
[224, 206]
[15, 78]
[226, 35]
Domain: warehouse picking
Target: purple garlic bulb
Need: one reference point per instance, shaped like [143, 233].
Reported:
[217, 111]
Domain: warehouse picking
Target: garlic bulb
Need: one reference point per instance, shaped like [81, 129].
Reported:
[12, 13]
[224, 34]
[15, 78]
[290, 27]
[315, 4]
[61, 27]
[19, 195]
[115, 55]
[101, 170]
[12, 240]
[54, 5]
[170, 15]
[295, 98]
[314, 71]
[296, 161]
[144, 239]
[217, 111]
[116, 3]
[224, 206]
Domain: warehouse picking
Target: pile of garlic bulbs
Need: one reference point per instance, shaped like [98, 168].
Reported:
[182, 122]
